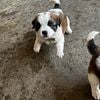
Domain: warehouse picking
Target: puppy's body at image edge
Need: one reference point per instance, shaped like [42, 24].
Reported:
[94, 66]
[50, 27]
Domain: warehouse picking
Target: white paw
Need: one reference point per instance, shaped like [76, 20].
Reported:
[36, 50]
[96, 95]
[60, 54]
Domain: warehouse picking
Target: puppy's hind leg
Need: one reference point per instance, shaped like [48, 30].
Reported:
[68, 29]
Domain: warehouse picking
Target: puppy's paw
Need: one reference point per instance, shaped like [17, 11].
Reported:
[60, 54]
[94, 95]
[98, 96]
[36, 50]
[98, 93]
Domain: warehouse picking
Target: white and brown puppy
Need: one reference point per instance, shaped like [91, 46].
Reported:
[94, 66]
[50, 27]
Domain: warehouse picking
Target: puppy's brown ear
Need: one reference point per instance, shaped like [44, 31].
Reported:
[58, 21]
[35, 24]
[63, 22]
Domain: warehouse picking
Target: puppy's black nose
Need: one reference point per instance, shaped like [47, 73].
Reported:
[44, 33]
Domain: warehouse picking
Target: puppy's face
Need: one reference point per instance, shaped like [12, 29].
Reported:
[46, 24]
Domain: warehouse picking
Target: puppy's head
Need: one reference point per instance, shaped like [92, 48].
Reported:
[46, 24]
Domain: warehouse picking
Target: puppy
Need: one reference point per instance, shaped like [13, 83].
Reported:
[94, 66]
[50, 27]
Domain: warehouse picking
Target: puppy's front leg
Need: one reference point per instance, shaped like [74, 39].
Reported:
[60, 47]
[37, 45]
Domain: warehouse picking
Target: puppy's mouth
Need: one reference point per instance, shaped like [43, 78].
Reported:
[45, 37]
[51, 39]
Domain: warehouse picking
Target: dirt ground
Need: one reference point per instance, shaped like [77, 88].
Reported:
[25, 75]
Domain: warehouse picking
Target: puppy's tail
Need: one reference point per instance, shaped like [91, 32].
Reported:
[57, 3]
[92, 47]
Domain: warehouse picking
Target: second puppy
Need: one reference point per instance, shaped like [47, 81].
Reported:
[94, 66]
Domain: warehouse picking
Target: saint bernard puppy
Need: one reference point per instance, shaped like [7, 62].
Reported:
[50, 27]
[94, 66]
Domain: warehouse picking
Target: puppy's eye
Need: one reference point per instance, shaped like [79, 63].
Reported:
[52, 24]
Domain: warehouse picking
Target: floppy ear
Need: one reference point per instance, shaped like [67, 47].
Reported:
[63, 22]
[58, 21]
[36, 24]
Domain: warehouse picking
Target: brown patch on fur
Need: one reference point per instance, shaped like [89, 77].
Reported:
[93, 68]
[97, 50]
[63, 22]
[61, 19]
